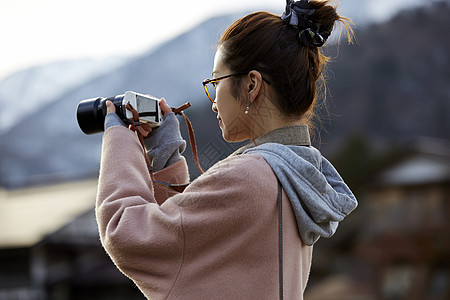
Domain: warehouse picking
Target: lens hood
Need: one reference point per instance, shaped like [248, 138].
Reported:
[90, 115]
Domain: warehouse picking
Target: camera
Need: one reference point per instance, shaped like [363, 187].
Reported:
[91, 112]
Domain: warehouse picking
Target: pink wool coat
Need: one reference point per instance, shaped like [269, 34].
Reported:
[216, 240]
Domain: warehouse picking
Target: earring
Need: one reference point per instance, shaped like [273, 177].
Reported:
[248, 106]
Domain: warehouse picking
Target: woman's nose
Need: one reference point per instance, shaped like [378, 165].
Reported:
[214, 107]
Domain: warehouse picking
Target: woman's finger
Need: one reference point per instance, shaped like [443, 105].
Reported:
[165, 108]
[110, 108]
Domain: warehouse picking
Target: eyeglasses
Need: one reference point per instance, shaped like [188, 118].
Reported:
[211, 91]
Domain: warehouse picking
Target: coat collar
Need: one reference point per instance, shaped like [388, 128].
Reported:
[297, 135]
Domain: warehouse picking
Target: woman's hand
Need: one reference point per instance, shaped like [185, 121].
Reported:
[165, 144]
[110, 108]
[111, 119]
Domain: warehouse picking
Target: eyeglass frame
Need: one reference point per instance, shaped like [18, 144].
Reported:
[214, 80]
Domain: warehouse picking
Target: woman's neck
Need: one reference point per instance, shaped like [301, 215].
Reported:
[264, 125]
[267, 120]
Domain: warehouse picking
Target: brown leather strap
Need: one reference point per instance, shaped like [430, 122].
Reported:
[179, 111]
[141, 129]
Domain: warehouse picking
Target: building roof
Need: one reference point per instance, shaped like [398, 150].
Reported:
[418, 170]
[28, 215]
[426, 160]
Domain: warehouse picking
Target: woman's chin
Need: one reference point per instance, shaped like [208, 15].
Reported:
[233, 138]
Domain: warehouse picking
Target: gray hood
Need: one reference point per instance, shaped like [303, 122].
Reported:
[319, 196]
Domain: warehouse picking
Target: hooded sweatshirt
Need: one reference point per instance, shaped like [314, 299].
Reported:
[219, 238]
[318, 195]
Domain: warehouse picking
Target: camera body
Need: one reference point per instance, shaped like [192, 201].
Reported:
[91, 112]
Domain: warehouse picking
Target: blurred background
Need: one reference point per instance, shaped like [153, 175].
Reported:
[386, 129]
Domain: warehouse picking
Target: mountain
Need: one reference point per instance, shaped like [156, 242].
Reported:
[25, 91]
[28, 90]
[48, 144]
[394, 82]
[391, 85]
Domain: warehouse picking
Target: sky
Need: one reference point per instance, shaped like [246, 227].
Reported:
[35, 32]
[40, 31]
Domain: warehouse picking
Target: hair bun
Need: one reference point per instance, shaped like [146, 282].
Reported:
[298, 14]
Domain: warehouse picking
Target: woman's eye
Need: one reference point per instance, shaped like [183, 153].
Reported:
[214, 83]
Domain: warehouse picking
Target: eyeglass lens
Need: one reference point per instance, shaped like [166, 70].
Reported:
[211, 91]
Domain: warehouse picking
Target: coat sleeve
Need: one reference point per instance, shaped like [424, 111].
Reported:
[134, 229]
[148, 241]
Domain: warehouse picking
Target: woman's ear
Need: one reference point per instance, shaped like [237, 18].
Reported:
[254, 85]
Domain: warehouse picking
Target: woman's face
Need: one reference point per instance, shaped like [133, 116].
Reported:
[230, 111]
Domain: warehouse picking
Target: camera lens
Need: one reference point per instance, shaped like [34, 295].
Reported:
[91, 113]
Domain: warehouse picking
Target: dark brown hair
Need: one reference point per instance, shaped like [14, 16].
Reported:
[262, 41]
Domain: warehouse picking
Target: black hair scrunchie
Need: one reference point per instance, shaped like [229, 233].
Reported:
[297, 14]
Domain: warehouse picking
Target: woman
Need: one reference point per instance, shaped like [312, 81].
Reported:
[244, 229]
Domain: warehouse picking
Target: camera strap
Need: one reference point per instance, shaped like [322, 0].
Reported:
[143, 130]
[180, 111]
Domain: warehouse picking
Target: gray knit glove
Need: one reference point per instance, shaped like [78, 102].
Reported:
[165, 143]
[113, 119]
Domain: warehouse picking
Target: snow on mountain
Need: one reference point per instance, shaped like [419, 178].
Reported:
[26, 91]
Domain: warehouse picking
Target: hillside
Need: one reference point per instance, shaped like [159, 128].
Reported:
[390, 86]
[394, 83]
